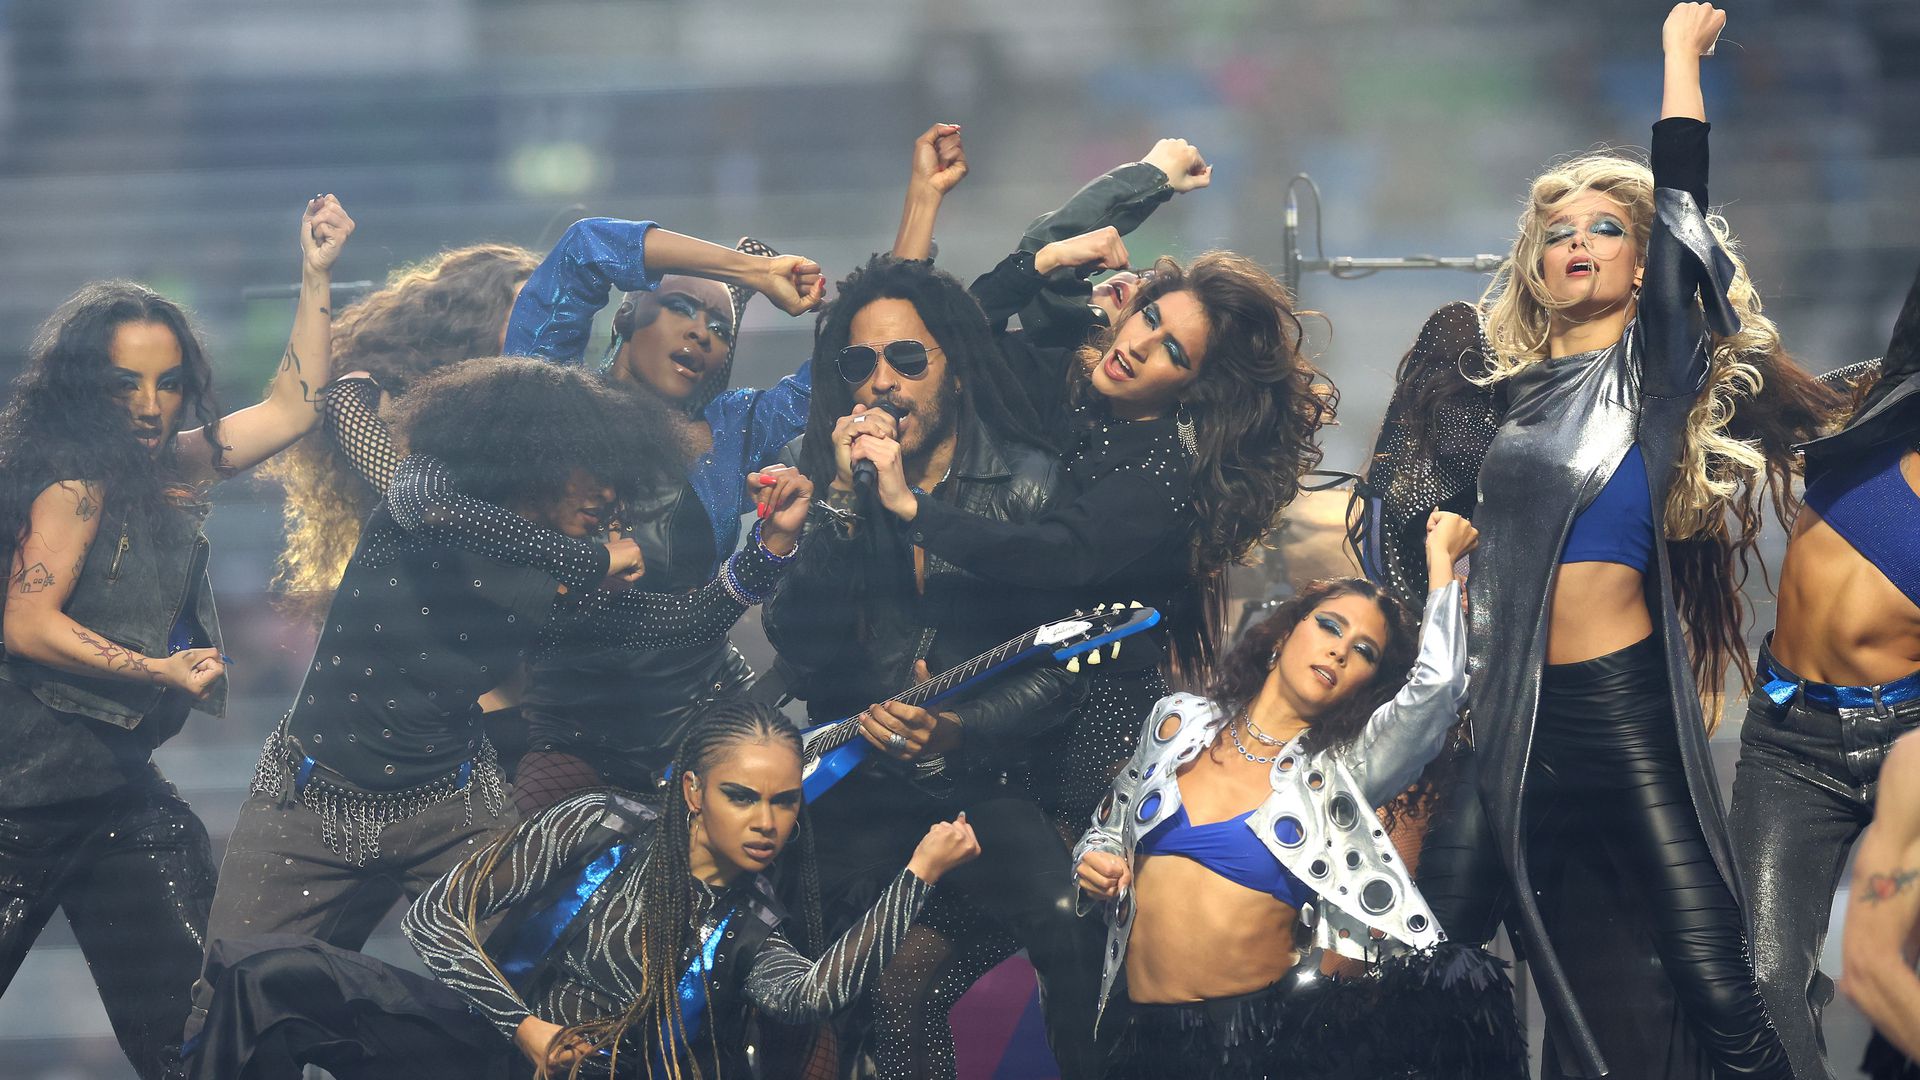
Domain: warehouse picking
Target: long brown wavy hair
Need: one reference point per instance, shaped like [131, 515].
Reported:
[1244, 670]
[67, 422]
[1257, 408]
[433, 313]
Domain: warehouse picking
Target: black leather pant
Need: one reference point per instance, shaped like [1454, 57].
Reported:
[1802, 794]
[134, 874]
[1605, 775]
[1023, 880]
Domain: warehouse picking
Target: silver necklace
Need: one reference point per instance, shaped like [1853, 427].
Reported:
[1261, 735]
[1233, 730]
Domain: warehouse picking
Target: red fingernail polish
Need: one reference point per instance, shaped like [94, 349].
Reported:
[763, 509]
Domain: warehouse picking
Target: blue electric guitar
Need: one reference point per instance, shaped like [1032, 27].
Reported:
[833, 750]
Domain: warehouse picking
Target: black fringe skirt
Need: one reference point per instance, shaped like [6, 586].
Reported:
[1443, 1014]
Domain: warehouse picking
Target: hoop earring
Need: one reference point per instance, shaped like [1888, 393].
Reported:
[1183, 428]
[1273, 658]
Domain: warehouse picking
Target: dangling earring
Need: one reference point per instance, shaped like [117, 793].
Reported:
[1183, 427]
[612, 355]
[1273, 658]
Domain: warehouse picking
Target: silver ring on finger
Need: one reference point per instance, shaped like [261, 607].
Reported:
[896, 742]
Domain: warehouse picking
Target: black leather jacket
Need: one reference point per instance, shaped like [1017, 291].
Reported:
[848, 622]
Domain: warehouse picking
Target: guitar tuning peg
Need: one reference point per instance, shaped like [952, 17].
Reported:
[1093, 657]
[1098, 608]
[1115, 654]
[1073, 665]
[1136, 603]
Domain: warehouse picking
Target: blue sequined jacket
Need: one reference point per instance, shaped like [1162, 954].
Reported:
[553, 320]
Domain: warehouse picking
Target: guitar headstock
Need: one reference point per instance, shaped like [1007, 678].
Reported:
[1088, 632]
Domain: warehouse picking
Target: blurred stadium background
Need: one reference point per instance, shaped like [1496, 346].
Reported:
[174, 140]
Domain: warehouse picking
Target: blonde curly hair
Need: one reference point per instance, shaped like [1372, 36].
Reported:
[1737, 454]
[441, 310]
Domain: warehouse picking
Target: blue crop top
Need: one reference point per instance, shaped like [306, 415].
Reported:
[1230, 849]
[1617, 526]
[1870, 504]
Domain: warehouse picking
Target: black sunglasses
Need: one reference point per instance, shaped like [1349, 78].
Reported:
[906, 356]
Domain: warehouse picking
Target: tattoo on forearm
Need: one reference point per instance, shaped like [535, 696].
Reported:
[1886, 886]
[117, 658]
[33, 579]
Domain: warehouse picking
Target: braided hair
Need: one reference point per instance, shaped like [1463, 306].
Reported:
[665, 906]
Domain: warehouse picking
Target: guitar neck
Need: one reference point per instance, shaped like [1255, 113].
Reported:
[940, 686]
[832, 736]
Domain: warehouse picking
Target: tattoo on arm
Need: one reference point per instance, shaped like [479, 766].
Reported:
[1882, 887]
[290, 361]
[86, 508]
[117, 658]
[33, 579]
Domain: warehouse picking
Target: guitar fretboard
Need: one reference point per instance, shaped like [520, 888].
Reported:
[841, 732]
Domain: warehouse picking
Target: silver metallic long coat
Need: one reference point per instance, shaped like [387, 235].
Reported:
[1319, 821]
[1569, 423]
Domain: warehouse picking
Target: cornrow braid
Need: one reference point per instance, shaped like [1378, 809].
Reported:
[666, 900]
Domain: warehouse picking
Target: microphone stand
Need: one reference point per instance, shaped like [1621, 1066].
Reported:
[1348, 266]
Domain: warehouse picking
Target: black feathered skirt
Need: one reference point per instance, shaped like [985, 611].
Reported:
[1443, 1014]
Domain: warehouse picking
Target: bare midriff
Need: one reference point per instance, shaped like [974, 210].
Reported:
[1198, 936]
[1598, 608]
[1840, 620]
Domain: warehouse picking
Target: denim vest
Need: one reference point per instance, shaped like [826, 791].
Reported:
[132, 589]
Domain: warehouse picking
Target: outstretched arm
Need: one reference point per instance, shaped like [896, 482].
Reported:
[1408, 731]
[939, 164]
[1683, 288]
[1689, 34]
[62, 526]
[291, 408]
[792, 989]
[554, 314]
[1884, 910]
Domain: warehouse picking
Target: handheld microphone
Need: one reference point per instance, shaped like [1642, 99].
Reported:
[865, 476]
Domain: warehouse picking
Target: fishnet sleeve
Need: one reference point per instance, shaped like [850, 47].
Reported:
[654, 620]
[423, 499]
[350, 409]
[1436, 433]
[793, 989]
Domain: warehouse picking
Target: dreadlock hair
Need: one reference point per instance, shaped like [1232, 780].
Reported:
[1257, 408]
[67, 422]
[448, 308]
[665, 906]
[987, 391]
[512, 430]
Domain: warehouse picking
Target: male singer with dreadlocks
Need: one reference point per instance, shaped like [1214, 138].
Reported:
[866, 612]
[635, 937]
